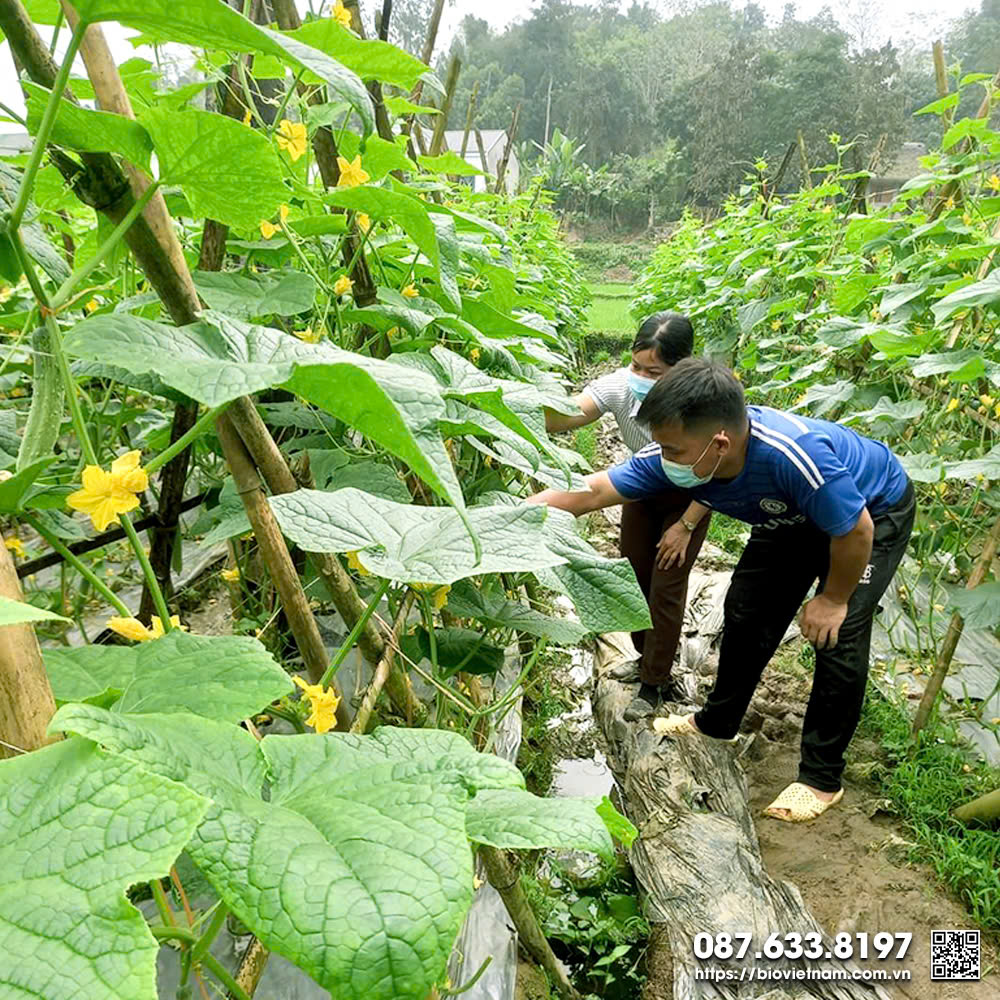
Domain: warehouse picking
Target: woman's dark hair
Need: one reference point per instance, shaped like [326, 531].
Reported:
[668, 334]
[695, 391]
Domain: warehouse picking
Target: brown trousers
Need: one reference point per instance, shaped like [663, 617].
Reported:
[643, 524]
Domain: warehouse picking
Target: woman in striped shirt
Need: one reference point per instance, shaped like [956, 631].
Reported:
[660, 536]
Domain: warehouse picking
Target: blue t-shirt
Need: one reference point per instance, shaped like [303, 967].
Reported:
[796, 469]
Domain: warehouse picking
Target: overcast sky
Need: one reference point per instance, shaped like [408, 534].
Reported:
[901, 21]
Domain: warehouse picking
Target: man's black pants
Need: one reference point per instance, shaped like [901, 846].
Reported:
[770, 582]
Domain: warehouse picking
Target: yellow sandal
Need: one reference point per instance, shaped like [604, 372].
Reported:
[801, 804]
[682, 724]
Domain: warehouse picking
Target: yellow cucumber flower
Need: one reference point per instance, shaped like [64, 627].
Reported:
[438, 592]
[986, 400]
[994, 182]
[246, 117]
[410, 292]
[474, 355]
[92, 306]
[132, 628]
[323, 704]
[268, 229]
[364, 222]
[230, 575]
[15, 545]
[292, 138]
[952, 405]
[343, 285]
[341, 14]
[352, 174]
[105, 495]
[354, 563]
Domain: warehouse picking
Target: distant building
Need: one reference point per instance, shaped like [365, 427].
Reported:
[883, 189]
[494, 143]
[15, 143]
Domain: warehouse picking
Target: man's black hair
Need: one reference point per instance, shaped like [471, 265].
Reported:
[668, 334]
[694, 392]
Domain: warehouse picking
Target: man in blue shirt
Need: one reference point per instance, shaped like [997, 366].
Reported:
[825, 503]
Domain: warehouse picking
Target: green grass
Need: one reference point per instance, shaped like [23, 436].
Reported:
[609, 311]
[925, 780]
[612, 289]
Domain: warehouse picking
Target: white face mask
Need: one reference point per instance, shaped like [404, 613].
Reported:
[684, 476]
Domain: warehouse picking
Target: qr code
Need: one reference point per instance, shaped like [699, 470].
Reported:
[954, 955]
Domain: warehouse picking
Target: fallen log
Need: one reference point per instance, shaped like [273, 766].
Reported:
[697, 858]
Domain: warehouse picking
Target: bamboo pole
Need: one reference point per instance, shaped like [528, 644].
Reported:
[804, 163]
[382, 670]
[279, 562]
[469, 115]
[511, 136]
[481, 146]
[26, 702]
[953, 186]
[954, 633]
[432, 32]
[985, 809]
[940, 75]
[441, 122]
[505, 879]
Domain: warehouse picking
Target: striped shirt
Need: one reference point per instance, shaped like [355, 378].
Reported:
[612, 395]
[796, 469]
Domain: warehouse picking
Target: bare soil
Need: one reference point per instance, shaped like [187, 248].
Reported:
[849, 864]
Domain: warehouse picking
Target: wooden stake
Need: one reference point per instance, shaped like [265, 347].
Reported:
[26, 702]
[469, 115]
[382, 670]
[985, 809]
[941, 79]
[511, 136]
[954, 633]
[804, 163]
[278, 561]
[441, 122]
[504, 878]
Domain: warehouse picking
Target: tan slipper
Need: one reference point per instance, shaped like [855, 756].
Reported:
[682, 724]
[801, 803]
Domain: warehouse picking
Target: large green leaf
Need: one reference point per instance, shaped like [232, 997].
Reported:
[36, 241]
[214, 24]
[281, 293]
[407, 212]
[371, 59]
[980, 607]
[923, 467]
[979, 293]
[887, 409]
[448, 163]
[92, 131]
[604, 591]
[16, 612]
[494, 610]
[221, 358]
[988, 466]
[76, 829]
[220, 677]
[228, 172]
[455, 649]
[358, 867]
[517, 820]
[412, 543]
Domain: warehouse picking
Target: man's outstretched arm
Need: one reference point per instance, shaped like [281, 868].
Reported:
[601, 494]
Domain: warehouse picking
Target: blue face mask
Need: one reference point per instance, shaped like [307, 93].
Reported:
[684, 476]
[639, 385]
